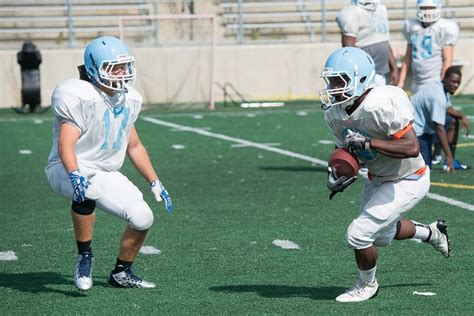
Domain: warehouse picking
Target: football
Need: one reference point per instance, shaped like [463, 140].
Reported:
[343, 163]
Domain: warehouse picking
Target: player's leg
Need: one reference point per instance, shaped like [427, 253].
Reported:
[121, 198]
[83, 218]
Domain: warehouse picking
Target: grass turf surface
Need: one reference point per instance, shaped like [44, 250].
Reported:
[230, 203]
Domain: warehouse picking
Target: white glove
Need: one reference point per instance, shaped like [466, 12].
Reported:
[161, 194]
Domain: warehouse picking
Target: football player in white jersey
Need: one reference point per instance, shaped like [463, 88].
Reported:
[430, 46]
[93, 131]
[364, 24]
[376, 123]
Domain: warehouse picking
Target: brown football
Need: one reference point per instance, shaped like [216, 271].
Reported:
[343, 163]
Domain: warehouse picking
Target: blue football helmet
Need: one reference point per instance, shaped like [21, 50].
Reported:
[348, 72]
[370, 5]
[109, 64]
[428, 11]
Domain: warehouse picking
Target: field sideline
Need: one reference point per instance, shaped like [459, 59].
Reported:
[240, 180]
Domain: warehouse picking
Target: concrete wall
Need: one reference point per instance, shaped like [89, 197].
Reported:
[259, 72]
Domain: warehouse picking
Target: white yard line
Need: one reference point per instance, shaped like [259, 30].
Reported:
[283, 152]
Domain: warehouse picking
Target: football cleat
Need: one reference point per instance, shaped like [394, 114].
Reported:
[128, 279]
[83, 272]
[437, 159]
[439, 237]
[361, 291]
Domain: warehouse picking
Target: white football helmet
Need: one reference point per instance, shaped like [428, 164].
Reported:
[428, 11]
[348, 72]
[370, 5]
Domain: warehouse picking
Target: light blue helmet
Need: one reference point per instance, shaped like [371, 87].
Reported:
[370, 5]
[351, 66]
[428, 11]
[109, 64]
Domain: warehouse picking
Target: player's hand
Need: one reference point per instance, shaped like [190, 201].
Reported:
[80, 184]
[161, 194]
[356, 142]
[338, 185]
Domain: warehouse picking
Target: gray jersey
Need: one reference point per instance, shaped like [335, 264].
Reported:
[427, 47]
[104, 130]
[370, 28]
[386, 113]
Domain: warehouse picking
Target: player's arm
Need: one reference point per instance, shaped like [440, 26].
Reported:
[68, 136]
[404, 146]
[459, 116]
[348, 41]
[392, 63]
[443, 140]
[448, 52]
[406, 63]
[139, 157]
[141, 160]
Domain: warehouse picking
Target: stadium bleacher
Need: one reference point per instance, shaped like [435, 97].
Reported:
[71, 23]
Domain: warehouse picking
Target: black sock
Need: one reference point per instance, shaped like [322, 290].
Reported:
[84, 246]
[122, 265]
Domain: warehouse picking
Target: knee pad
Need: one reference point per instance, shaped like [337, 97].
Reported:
[355, 238]
[84, 208]
[139, 216]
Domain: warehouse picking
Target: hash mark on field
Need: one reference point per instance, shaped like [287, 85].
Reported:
[283, 152]
[285, 244]
[8, 256]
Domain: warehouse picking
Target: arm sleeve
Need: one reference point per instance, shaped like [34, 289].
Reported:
[347, 23]
[450, 34]
[438, 108]
[402, 117]
[67, 109]
[406, 30]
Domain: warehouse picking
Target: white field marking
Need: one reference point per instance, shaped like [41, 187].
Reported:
[23, 119]
[267, 144]
[8, 256]
[25, 152]
[283, 152]
[326, 141]
[301, 113]
[424, 293]
[198, 117]
[38, 121]
[235, 140]
[450, 201]
[285, 244]
[178, 146]
[206, 128]
[149, 250]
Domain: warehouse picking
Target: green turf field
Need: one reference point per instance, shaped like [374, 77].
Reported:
[239, 180]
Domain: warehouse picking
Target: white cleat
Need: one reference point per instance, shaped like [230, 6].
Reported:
[361, 291]
[439, 237]
[128, 279]
[83, 271]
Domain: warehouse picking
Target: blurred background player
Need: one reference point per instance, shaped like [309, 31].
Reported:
[430, 45]
[377, 125]
[93, 130]
[437, 119]
[364, 24]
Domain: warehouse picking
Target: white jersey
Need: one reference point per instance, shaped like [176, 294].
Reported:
[368, 27]
[386, 113]
[104, 130]
[427, 47]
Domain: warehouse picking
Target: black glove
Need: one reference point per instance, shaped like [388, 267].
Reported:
[339, 184]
